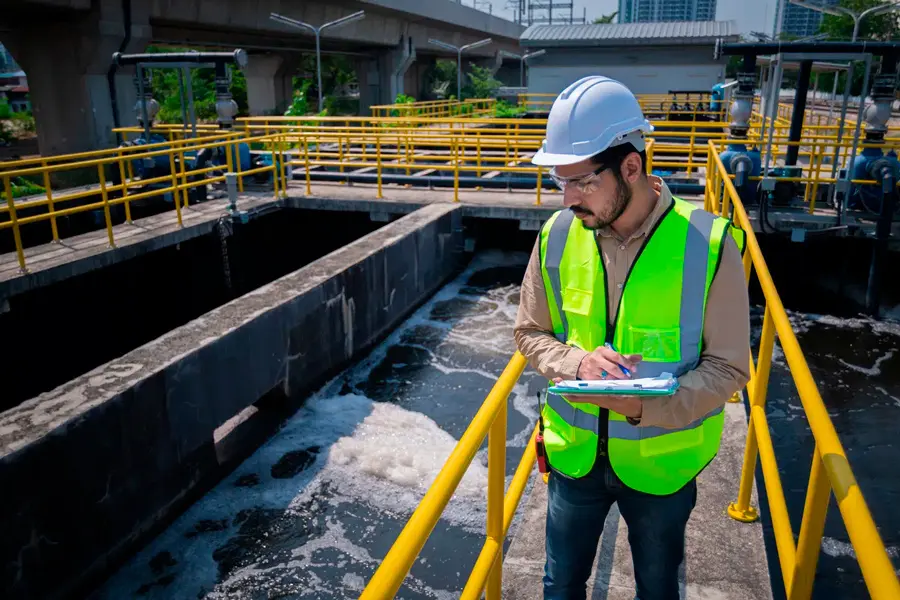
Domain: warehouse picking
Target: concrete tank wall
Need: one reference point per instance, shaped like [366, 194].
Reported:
[100, 461]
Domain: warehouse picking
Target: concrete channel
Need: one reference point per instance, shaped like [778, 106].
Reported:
[120, 448]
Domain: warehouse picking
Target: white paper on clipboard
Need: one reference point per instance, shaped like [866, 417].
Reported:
[662, 383]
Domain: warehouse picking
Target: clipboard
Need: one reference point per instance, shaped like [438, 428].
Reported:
[664, 385]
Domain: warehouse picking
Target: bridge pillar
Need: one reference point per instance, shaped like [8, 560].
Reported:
[384, 75]
[68, 69]
[270, 87]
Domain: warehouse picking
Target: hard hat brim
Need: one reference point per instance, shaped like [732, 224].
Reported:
[546, 159]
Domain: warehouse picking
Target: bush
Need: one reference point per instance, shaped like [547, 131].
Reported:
[5, 110]
[23, 187]
[24, 120]
[505, 110]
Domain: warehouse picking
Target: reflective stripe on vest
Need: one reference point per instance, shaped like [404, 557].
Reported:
[660, 315]
[617, 429]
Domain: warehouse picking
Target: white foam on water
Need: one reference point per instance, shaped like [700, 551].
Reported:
[401, 447]
[874, 369]
[838, 548]
[374, 453]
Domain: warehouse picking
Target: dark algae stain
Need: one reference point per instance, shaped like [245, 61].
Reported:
[295, 462]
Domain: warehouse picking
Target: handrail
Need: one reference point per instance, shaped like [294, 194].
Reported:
[178, 181]
[489, 421]
[798, 563]
[830, 469]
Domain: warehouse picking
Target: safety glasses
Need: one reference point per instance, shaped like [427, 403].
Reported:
[584, 183]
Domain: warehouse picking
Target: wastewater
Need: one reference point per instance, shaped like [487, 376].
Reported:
[313, 510]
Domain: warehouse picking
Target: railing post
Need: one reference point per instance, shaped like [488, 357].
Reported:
[50, 201]
[183, 171]
[812, 526]
[306, 160]
[377, 164]
[456, 170]
[284, 183]
[175, 192]
[17, 236]
[540, 182]
[105, 196]
[756, 390]
[496, 481]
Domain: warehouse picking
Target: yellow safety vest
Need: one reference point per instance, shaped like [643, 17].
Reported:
[660, 316]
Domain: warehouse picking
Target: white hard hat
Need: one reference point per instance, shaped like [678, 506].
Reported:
[589, 116]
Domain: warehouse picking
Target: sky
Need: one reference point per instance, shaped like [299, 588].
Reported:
[595, 8]
[750, 16]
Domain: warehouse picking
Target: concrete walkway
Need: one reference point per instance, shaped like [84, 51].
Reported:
[725, 560]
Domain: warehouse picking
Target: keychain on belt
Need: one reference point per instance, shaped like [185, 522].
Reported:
[539, 442]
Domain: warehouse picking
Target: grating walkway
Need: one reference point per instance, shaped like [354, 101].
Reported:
[725, 560]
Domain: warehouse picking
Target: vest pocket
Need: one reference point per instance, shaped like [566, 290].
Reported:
[577, 301]
[672, 442]
[655, 344]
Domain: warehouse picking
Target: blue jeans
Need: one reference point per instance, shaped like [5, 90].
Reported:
[575, 515]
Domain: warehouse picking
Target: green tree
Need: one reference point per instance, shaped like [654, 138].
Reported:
[441, 78]
[482, 83]
[203, 81]
[606, 18]
[878, 27]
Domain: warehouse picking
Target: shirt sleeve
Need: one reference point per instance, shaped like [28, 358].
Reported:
[724, 366]
[533, 330]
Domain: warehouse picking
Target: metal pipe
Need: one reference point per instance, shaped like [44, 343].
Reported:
[859, 120]
[833, 96]
[319, 68]
[184, 121]
[143, 103]
[772, 112]
[793, 151]
[882, 237]
[840, 136]
[190, 94]
[238, 56]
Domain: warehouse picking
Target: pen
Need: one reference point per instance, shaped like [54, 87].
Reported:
[624, 370]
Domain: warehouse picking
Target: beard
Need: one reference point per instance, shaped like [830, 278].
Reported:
[609, 213]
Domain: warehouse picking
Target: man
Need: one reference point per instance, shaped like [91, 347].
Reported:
[628, 276]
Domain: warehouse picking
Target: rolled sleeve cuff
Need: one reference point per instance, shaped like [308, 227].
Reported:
[651, 413]
[569, 367]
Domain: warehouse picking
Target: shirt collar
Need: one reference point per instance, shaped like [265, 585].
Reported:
[662, 204]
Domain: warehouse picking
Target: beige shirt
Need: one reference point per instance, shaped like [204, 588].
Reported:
[724, 361]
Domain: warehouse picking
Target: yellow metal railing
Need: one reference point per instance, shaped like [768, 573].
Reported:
[830, 471]
[455, 144]
[119, 161]
[654, 105]
[490, 422]
[436, 109]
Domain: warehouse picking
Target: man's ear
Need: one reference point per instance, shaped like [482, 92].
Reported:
[632, 167]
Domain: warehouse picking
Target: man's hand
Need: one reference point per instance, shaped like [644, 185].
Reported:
[630, 406]
[603, 360]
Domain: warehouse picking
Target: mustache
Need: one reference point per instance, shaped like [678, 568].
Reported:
[580, 211]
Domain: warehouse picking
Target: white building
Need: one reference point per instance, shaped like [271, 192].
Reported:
[650, 58]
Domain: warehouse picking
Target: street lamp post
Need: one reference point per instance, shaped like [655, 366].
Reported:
[840, 11]
[459, 50]
[317, 31]
[522, 60]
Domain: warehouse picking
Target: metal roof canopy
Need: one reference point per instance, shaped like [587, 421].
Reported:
[619, 34]
[794, 65]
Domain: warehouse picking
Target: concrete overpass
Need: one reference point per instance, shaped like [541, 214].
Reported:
[65, 47]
